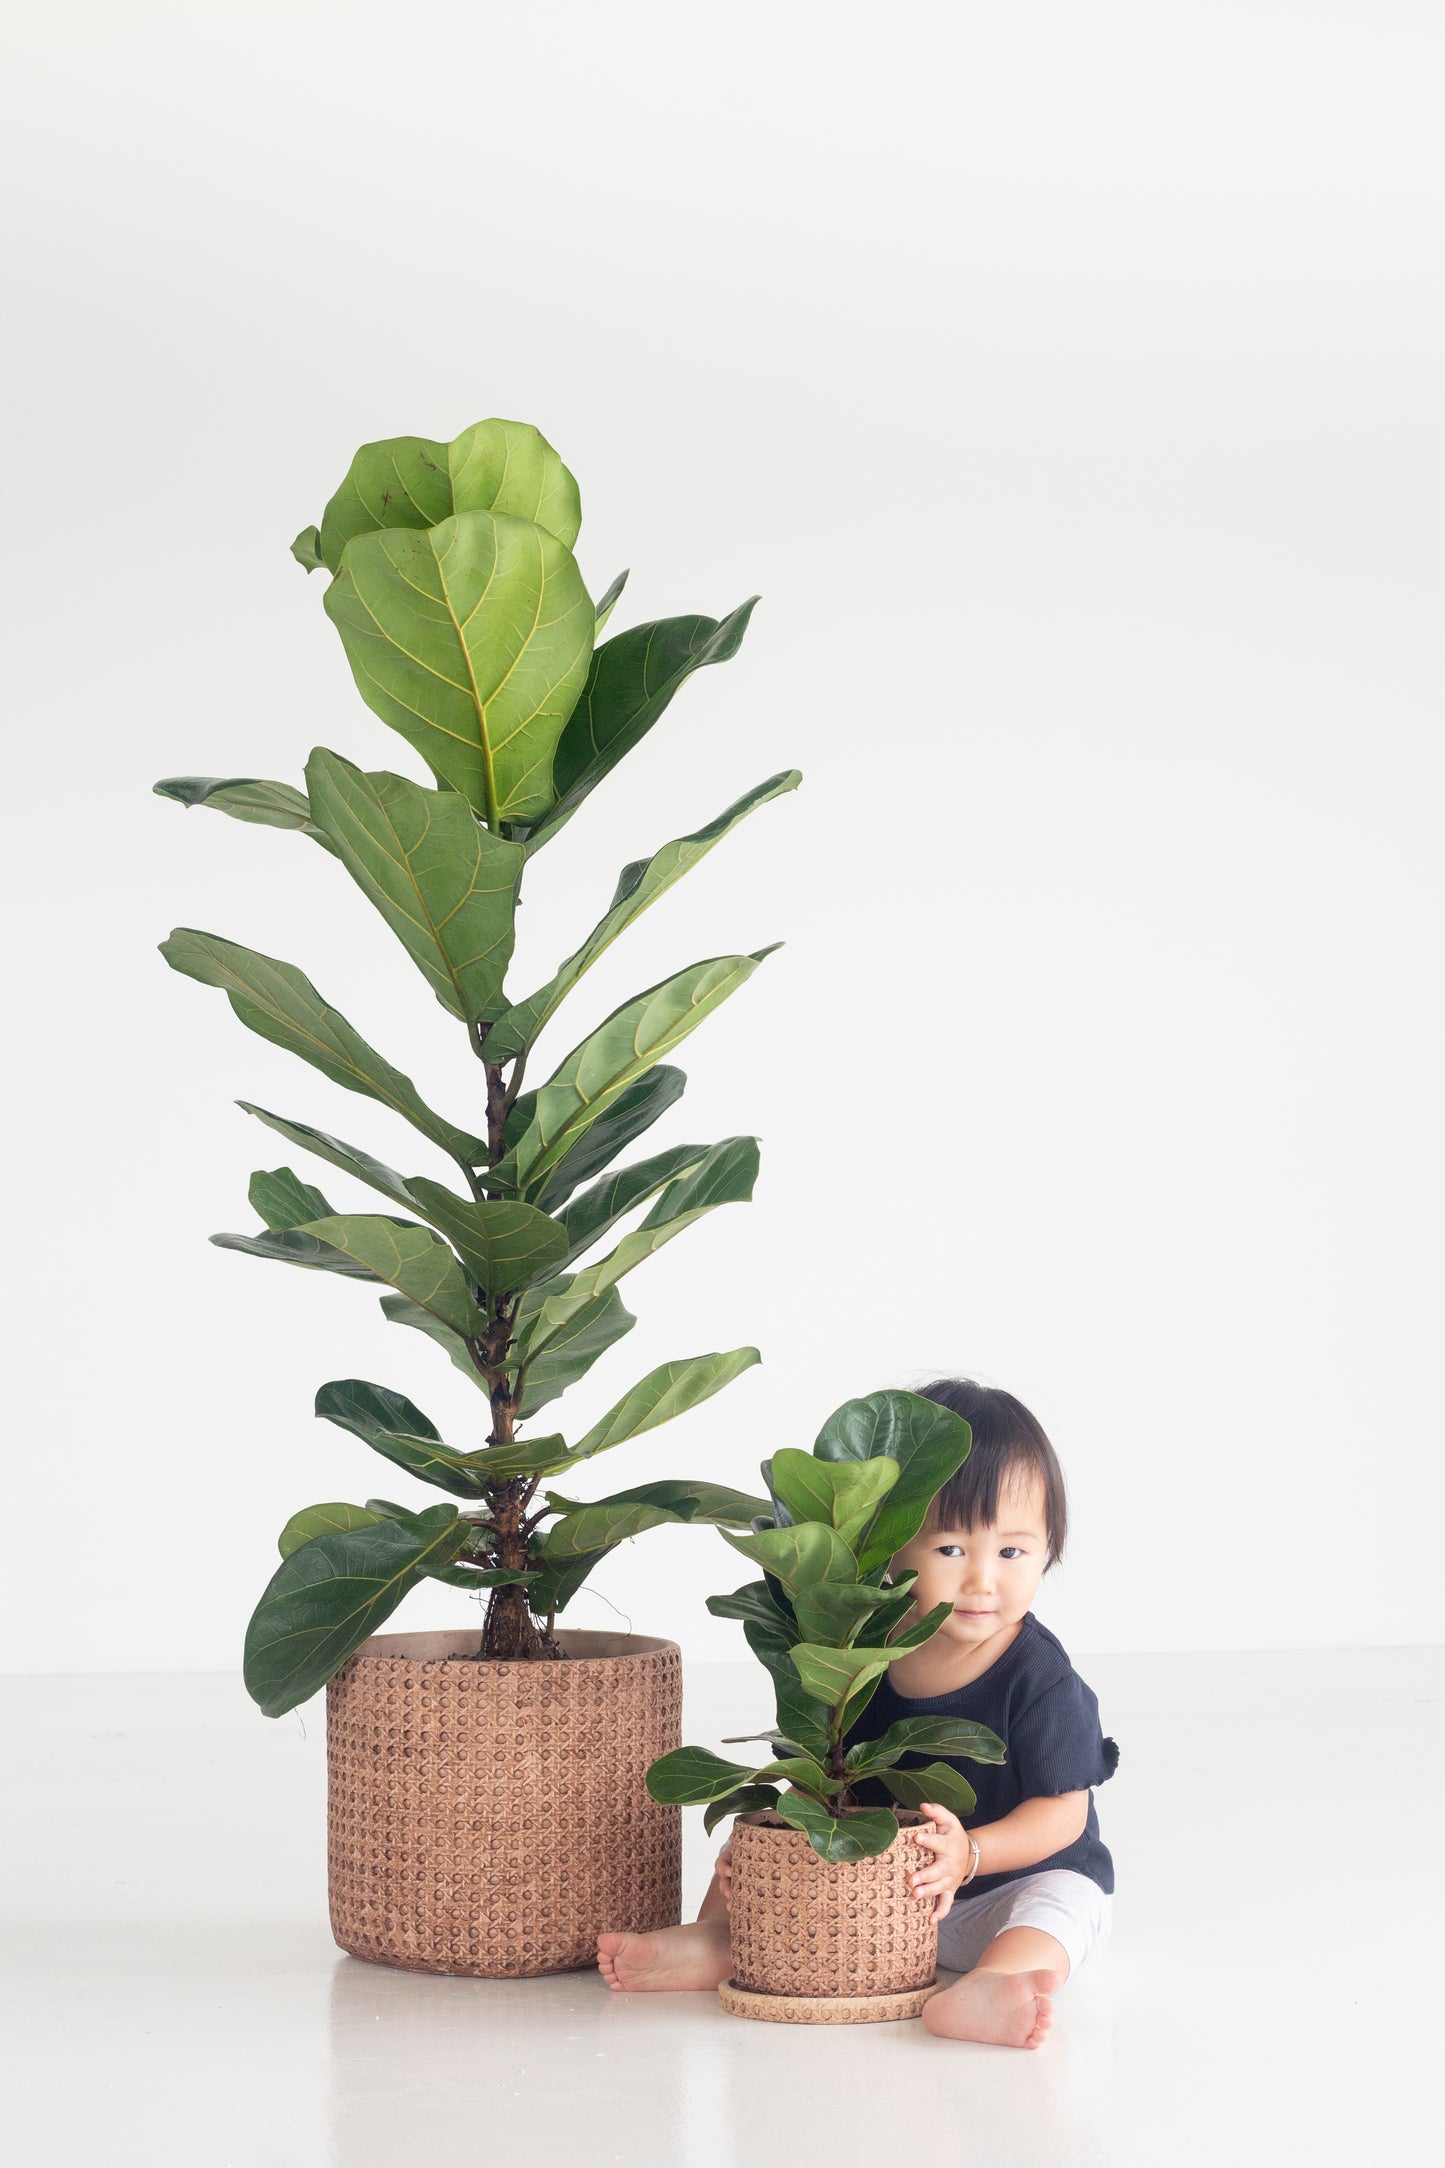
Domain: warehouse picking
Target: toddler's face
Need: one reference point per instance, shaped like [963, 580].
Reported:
[989, 1575]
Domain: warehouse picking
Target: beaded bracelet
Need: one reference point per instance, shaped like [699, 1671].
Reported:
[973, 1869]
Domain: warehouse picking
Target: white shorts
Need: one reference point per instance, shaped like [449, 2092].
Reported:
[1068, 1906]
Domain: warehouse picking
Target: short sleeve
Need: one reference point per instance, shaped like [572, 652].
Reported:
[1056, 1745]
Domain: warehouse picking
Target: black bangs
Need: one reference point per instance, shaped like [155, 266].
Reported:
[1009, 1444]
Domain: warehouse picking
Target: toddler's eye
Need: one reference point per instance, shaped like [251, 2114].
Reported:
[1014, 1547]
[950, 1550]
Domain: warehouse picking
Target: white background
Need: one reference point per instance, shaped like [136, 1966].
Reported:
[1067, 381]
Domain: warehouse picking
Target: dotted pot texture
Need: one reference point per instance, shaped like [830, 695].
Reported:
[491, 1818]
[804, 1926]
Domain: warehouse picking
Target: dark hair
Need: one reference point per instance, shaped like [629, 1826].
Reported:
[1008, 1443]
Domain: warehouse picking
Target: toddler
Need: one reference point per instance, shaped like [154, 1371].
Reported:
[1025, 1893]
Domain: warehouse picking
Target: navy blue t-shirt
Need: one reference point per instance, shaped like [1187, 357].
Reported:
[1048, 1720]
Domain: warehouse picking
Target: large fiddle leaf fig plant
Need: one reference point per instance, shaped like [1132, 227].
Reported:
[826, 1620]
[468, 628]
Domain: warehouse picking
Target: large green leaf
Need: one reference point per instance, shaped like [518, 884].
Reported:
[929, 1443]
[349, 1157]
[393, 1426]
[754, 1603]
[631, 680]
[606, 602]
[835, 1675]
[411, 1259]
[588, 1217]
[280, 1003]
[833, 1612]
[621, 1051]
[639, 885]
[401, 1310]
[246, 798]
[327, 1520]
[572, 1349]
[445, 885]
[799, 1556]
[801, 1770]
[949, 1735]
[669, 1390]
[553, 1588]
[635, 1110]
[503, 1245]
[324, 1600]
[494, 466]
[610, 1521]
[472, 639]
[747, 1799]
[690, 1775]
[294, 1246]
[845, 1494]
[725, 1175]
[282, 1199]
[935, 1786]
[857, 1835]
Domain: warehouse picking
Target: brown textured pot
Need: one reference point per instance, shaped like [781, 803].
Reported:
[491, 1818]
[804, 1926]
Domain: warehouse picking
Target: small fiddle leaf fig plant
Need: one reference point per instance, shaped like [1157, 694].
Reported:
[826, 1620]
[464, 616]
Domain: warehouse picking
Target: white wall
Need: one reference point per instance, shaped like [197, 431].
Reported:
[1067, 380]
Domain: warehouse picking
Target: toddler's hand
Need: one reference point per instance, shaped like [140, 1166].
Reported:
[724, 1872]
[951, 1855]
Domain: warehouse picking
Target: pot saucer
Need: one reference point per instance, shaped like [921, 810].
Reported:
[824, 2009]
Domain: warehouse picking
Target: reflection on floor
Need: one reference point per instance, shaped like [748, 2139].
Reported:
[173, 1995]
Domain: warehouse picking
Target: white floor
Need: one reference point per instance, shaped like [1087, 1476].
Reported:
[1270, 1993]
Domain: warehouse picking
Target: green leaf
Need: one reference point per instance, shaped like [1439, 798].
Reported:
[323, 1601]
[313, 1521]
[588, 1217]
[832, 1611]
[282, 1199]
[753, 1603]
[246, 798]
[803, 1772]
[725, 1175]
[608, 602]
[410, 1259]
[621, 1050]
[948, 1735]
[572, 1349]
[929, 1443]
[840, 1837]
[349, 1157]
[610, 1521]
[844, 1494]
[294, 1246]
[747, 1799]
[445, 885]
[631, 680]
[553, 1588]
[800, 1718]
[937, 1785]
[634, 1111]
[503, 1245]
[799, 1556]
[401, 1310]
[913, 1637]
[306, 549]
[669, 1390]
[691, 1775]
[494, 466]
[393, 1426]
[279, 1002]
[835, 1675]
[638, 886]
[473, 639]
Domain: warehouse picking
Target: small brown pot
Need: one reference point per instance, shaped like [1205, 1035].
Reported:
[804, 1926]
[492, 1818]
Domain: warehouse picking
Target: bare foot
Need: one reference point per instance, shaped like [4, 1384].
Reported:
[1011, 2009]
[696, 1956]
